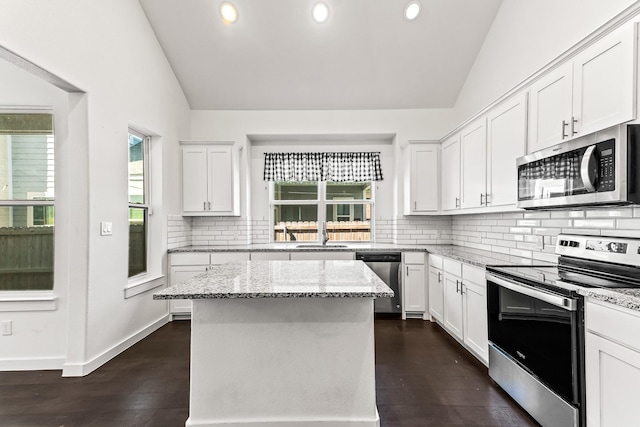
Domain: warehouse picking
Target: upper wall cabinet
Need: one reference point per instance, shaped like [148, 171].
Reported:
[473, 146]
[506, 141]
[210, 184]
[593, 91]
[451, 173]
[422, 178]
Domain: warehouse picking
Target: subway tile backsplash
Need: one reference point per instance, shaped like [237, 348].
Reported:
[530, 234]
[533, 234]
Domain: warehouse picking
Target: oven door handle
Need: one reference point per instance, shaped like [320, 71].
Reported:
[568, 304]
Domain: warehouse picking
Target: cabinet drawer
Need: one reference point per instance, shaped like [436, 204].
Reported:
[613, 322]
[322, 256]
[473, 274]
[435, 261]
[453, 267]
[413, 257]
[222, 257]
[269, 256]
[190, 258]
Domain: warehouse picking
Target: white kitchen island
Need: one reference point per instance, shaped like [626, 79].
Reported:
[282, 343]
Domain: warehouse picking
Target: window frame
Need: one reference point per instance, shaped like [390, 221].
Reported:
[322, 204]
[146, 204]
[44, 295]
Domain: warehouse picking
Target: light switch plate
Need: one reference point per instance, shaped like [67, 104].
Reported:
[106, 228]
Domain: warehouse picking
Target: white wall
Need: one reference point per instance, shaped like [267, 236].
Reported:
[109, 51]
[320, 126]
[41, 333]
[524, 37]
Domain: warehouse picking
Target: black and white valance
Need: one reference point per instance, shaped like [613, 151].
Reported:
[336, 167]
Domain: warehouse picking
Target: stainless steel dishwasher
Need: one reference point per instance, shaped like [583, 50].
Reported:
[386, 265]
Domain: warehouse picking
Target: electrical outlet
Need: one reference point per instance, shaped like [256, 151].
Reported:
[106, 228]
[7, 327]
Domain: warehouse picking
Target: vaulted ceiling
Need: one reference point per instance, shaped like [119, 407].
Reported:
[366, 56]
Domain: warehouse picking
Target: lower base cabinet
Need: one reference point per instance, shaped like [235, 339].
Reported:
[464, 313]
[436, 288]
[612, 358]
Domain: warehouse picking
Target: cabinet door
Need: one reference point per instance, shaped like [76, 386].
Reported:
[604, 76]
[414, 289]
[194, 179]
[424, 179]
[506, 140]
[452, 305]
[451, 173]
[180, 274]
[476, 336]
[550, 105]
[613, 383]
[436, 295]
[221, 177]
[269, 256]
[473, 147]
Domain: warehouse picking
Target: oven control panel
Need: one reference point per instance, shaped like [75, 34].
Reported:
[600, 248]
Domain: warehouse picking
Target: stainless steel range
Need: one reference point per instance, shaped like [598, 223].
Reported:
[536, 323]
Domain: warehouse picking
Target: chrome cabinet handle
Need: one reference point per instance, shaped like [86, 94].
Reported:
[439, 277]
[457, 286]
[407, 270]
[209, 205]
[462, 286]
[574, 121]
[204, 206]
[481, 199]
[486, 199]
[457, 202]
[564, 125]
[415, 205]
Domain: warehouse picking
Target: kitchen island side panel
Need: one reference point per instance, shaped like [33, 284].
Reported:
[282, 361]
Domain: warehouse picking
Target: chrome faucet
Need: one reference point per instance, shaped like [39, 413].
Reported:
[325, 235]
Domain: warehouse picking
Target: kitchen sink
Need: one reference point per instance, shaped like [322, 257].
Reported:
[320, 246]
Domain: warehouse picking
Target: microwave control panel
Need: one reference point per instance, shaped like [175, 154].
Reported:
[607, 168]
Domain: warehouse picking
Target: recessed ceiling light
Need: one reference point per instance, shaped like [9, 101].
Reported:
[412, 10]
[229, 12]
[320, 12]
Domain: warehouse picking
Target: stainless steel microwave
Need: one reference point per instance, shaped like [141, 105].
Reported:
[596, 169]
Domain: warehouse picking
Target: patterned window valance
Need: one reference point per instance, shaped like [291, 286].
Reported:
[337, 167]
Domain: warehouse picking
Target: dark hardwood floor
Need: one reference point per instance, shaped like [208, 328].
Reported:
[424, 378]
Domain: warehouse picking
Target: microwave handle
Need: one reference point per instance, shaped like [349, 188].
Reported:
[589, 169]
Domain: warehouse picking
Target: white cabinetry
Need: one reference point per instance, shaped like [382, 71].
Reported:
[474, 311]
[270, 256]
[465, 306]
[473, 147]
[506, 141]
[414, 284]
[436, 288]
[422, 178]
[593, 91]
[612, 365]
[185, 265]
[210, 179]
[323, 256]
[453, 298]
[451, 173]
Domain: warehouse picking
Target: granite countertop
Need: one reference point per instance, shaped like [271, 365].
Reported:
[477, 257]
[282, 279]
[628, 298]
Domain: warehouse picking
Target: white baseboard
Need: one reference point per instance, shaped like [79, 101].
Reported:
[34, 364]
[82, 369]
[299, 422]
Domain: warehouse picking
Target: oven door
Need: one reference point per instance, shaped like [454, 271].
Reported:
[539, 331]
